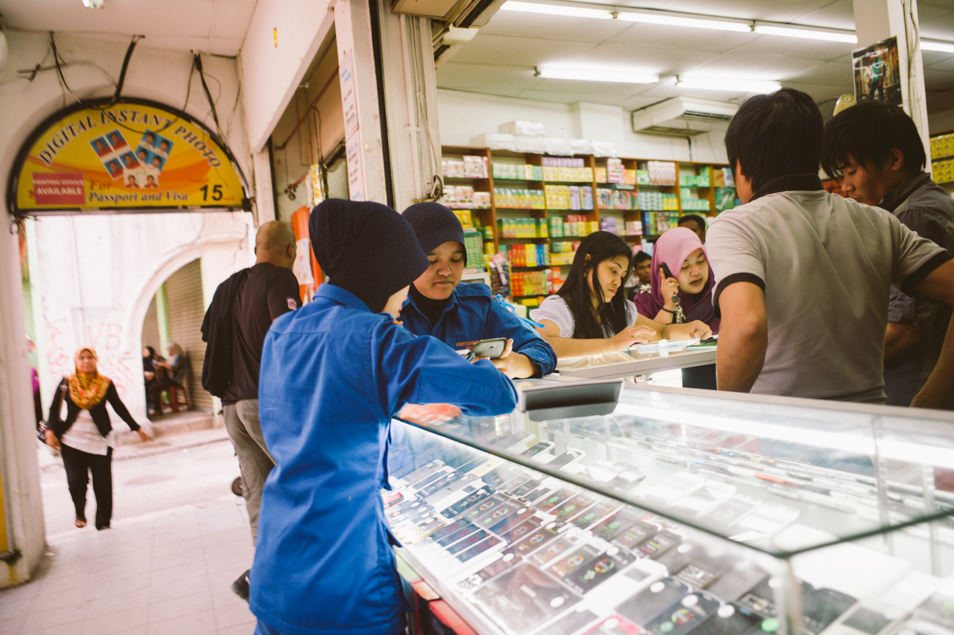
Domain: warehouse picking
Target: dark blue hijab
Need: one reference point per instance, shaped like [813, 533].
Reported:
[365, 248]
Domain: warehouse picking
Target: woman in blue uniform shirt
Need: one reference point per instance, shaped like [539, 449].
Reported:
[333, 374]
[458, 314]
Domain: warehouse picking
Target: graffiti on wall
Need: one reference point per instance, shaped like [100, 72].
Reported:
[105, 337]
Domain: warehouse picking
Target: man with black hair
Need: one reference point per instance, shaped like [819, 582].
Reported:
[694, 222]
[802, 276]
[886, 169]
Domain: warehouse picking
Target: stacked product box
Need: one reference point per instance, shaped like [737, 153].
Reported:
[561, 253]
[474, 247]
[528, 255]
[653, 200]
[691, 202]
[655, 223]
[700, 179]
[661, 172]
[520, 172]
[617, 199]
[518, 198]
[522, 227]
[568, 197]
[943, 171]
[726, 198]
[942, 146]
[463, 215]
[467, 167]
[567, 170]
[571, 225]
[525, 283]
[464, 196]
[634, 228]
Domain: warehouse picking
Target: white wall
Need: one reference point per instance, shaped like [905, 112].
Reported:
[465, 116]
[282, 40]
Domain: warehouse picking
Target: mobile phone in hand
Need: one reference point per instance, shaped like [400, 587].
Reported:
[490, 348]
[666, 270]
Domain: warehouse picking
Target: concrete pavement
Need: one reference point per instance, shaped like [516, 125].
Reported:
[178, 539]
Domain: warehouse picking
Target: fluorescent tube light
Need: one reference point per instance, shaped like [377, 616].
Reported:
[601, 73]
[943, 47]
[670, 19]
[729, 84]
[557, 9]
[806, 33]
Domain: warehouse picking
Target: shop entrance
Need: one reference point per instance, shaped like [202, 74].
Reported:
[172, 324]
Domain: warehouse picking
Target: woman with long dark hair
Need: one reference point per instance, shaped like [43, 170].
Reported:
[589, 314]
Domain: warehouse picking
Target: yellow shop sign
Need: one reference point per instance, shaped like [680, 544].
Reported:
[129, 155]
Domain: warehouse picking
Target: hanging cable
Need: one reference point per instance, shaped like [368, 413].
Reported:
[197, 61]
[122, 72]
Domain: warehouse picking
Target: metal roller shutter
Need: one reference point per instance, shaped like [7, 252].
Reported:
[185, 310]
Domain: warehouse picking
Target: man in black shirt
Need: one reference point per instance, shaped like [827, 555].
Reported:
[258, 296]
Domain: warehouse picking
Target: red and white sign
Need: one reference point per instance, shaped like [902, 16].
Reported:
[59, 189]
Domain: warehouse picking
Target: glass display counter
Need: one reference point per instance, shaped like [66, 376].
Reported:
[642, 359]
[680, 511]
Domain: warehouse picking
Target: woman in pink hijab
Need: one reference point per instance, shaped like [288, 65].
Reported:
[686, 295]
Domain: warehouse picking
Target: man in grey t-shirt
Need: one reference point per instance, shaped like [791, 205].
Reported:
[802, 276]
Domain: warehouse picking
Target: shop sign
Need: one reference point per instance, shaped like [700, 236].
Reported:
[130, 155]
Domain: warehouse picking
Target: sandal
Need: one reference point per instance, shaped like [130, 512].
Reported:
[79, 522]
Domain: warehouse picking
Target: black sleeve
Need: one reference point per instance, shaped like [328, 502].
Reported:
[927, 225]
[283, 294]
[112, 396]
[53, 420]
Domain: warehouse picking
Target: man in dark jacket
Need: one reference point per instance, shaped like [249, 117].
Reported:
[234, 328]
[876, 152]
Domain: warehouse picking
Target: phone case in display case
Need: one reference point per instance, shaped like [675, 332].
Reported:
[683, 512]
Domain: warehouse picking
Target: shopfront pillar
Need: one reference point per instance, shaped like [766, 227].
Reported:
[22, 539]
[876, 20]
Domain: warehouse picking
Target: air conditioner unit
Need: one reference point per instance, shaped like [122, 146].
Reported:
[682, 117]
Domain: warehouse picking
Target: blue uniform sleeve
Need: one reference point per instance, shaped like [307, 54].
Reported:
[421, 369]
[503, 323]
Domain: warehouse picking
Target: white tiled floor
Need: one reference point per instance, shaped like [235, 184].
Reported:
[165, 573]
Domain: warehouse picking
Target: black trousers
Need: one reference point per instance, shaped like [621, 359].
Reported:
[79, 465]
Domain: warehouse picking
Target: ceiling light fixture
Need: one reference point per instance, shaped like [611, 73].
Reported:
[729, 84]
[94, 4]
[692, 22]
[809, 33]
[557, 9]
[943, 47]
[591, 73]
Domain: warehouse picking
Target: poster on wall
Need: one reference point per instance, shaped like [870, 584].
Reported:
[877, 73]
[134, 155]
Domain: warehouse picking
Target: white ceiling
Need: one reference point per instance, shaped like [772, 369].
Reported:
[500, 60]
[212, 26]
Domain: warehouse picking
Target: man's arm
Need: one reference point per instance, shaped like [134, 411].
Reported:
[899, 339]
[743, 336]
[939, 285]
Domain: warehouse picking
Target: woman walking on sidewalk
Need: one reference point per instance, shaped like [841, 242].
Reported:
[85, 437]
